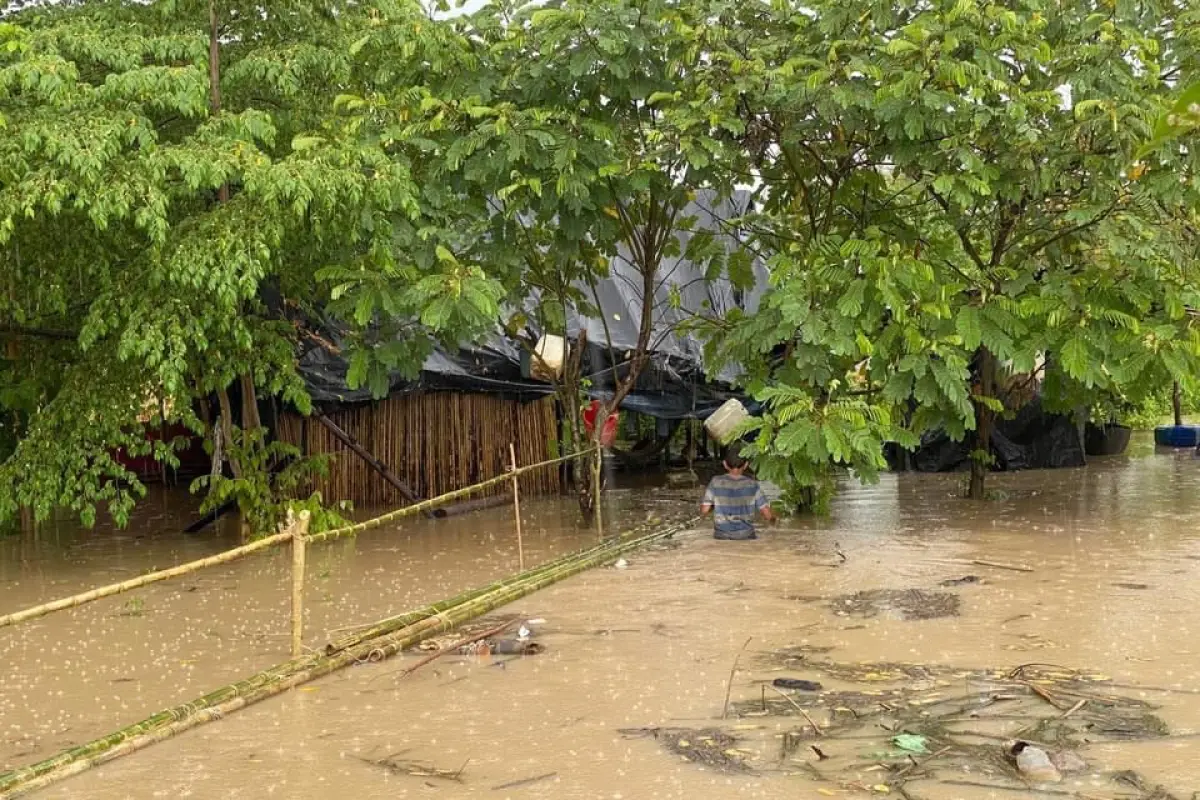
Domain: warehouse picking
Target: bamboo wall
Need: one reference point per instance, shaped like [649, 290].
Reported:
[434, 442]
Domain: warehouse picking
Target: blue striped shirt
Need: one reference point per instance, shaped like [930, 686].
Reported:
[735, 500]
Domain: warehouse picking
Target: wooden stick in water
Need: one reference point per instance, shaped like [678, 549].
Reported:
[512, 454]
[998, 565]
[461, 643]
[732, 672]
[811, 721]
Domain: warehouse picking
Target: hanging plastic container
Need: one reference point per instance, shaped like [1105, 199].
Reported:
[551, 352]
[608, 436]
[722, 422]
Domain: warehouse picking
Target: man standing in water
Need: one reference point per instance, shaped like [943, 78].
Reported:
[734, 498]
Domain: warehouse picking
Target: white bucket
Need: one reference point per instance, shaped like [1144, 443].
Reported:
[721, 424]
[550, 353]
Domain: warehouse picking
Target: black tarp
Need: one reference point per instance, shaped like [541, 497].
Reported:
[673, 384]
[1032, 439]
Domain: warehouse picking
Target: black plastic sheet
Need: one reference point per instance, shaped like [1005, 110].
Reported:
[1032, 439]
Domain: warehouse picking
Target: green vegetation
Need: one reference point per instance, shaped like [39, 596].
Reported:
[946, 194]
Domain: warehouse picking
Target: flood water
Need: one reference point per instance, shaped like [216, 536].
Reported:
[1114, 549]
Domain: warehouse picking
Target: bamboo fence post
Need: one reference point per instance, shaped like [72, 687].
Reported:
[597, 470]
[298, 526]
[512, 453]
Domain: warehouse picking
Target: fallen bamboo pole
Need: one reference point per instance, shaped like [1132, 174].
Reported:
[142, 580]
[380, 627]
[253, 547]
[370, 459]
[215, 705]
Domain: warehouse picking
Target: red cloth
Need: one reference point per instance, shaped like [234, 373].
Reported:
[607, 436]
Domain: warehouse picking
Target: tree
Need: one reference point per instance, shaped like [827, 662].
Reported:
[161, 163]
[554, 154]
[940, 185]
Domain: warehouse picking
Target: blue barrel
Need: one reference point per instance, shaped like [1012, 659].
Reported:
[1177, 435]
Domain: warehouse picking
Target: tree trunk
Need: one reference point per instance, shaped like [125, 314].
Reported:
[250, 416]
[985, 419]
[214, 75]
[690, 445]
[28, 521]
[1177, 404]
[227, 431]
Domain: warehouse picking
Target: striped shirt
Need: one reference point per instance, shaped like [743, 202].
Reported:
[735, 500]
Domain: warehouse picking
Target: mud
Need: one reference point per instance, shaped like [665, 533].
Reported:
[646, 647]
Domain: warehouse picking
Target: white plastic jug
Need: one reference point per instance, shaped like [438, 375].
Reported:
[721, 424]
[1035, 764]
[550, 352]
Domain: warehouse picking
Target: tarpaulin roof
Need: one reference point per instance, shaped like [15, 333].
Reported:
[673, 386]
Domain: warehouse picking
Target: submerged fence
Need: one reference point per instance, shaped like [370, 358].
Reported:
[296, 532]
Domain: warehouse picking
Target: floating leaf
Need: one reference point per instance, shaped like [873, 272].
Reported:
[911, 743]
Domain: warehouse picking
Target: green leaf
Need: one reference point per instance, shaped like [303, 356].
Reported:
[1074, 357]
[969, 328]
[302, 143]
[911, 743]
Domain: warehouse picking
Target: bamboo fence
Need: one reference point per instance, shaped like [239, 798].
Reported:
[459, 494]
[390, 640]
[434, 442]
[143, 580]
[270, 541]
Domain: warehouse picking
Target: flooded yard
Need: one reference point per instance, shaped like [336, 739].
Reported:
[636, 659]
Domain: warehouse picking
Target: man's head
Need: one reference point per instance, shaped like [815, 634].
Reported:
[735, 462]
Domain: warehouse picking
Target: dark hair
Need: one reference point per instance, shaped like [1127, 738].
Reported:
[733, 456]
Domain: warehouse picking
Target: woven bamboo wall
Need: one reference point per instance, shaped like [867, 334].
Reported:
[434, 442]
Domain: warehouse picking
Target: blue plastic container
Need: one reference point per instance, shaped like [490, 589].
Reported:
[1177, 435]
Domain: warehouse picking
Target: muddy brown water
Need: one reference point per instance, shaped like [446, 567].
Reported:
[649, 645]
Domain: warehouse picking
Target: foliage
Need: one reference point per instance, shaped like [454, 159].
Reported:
[944, 194]
[142, 213]
[545, 142]
[272, 474]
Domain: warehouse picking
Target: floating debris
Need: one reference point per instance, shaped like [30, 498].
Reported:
[416, 769]
[796, 683]
[908, 604]
[711, 747]
[933, 722]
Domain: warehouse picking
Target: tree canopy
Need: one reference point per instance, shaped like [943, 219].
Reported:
[947, 194]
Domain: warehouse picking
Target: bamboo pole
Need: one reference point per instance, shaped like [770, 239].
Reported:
[298, 528]
[366, 455]
[512, 453]
[280, 678]
[597, 471]
[371, 630]
[424, 505]
[142, 580]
